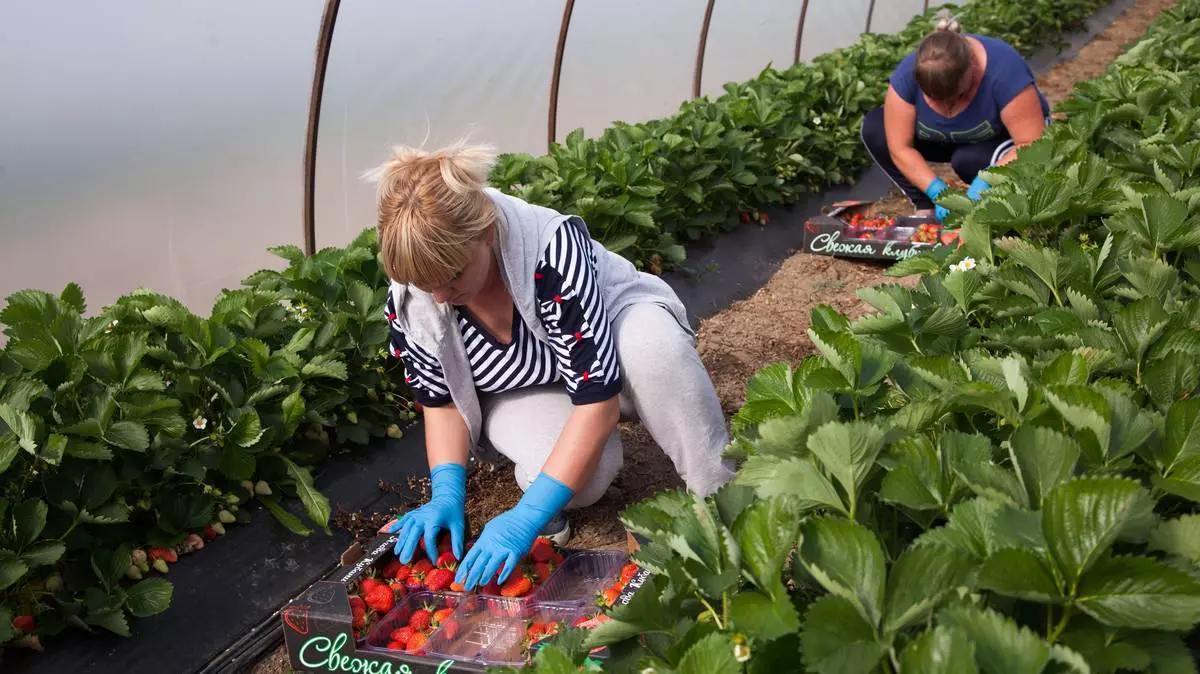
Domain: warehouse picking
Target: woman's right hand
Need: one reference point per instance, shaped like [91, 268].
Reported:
[446, 509]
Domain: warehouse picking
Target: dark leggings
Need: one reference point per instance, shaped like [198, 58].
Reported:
[966, 159]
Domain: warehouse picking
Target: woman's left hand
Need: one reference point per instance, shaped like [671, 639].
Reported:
[510, 535]
[504, 541]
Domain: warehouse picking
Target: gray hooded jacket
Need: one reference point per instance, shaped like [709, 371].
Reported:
[523, 233]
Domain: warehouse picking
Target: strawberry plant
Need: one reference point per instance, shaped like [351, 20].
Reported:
[146, 428]
[996, 470]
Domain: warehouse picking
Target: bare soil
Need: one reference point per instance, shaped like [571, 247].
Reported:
[739, 341]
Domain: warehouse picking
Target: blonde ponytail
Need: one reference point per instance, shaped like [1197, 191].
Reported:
[431, 208]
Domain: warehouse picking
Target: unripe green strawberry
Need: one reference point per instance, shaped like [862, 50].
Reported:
[160, 565]
[218, 528]
[133, 572]
[248, 486]
[144, 566]
[138, 556]
[233, 499]
[226, 517]
[262, 488]
[352, 417]
[54, 583]
[393, 431]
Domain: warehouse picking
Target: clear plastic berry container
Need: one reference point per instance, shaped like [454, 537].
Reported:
[495, 631]
[581, 576]
[380, 635]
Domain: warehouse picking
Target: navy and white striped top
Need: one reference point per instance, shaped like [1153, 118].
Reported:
[580, 352]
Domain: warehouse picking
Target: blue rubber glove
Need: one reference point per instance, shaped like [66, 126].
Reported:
[509, 536]
[975, 191]
[446, 510]
[936, 188]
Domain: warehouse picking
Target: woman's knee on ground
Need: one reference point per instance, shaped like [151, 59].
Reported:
[650, 343]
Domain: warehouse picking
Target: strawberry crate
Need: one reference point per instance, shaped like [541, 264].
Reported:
[844, 230]
[324, 632]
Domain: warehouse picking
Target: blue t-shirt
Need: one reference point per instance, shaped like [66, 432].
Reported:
[1005, 76]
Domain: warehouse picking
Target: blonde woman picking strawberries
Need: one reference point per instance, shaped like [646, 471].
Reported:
[518, 330]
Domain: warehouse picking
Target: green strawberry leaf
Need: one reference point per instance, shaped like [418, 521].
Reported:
[1000, 645]
[920, 579]
[942, 650]
[846, 559]
[1021, 573]
[766, 532]
[1179, 537]
[1043, 458]
[837, 640]
[1139, 592]
[1083, 517]
[149, 597]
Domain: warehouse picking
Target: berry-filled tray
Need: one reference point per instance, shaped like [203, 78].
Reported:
[847, 231]
[378, 610]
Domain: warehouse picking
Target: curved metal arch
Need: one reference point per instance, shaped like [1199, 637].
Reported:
[699, 74]
[324, 42]
[800, 32]
[870, 15]
[556, 74]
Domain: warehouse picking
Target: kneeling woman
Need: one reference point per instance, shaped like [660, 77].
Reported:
[518, 330]
[969, 100]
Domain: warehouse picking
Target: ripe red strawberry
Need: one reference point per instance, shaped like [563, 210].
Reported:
[402, 635]
[609, 596]
[457, 587]
[414, 584]
[416, 643]
[517, 586]
[492, 587]
[420, 620]
[391, 568]
[745, 216]
[368, 585]
[398, 588]
[628, 572]
[439, 579]
[381, 598]
[535, 631]
[441, 615]
[542, 571]
[579, 621]
[166, 554]
[24, 623]
[395, 645]
[451, 629]
[402, 572]
[542, 550]
[557, 559]
[210, 534]
[446, 560]
[422, 567]
[358, 610]
[444, 545]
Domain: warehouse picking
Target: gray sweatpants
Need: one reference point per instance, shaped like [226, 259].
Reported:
[664, 385]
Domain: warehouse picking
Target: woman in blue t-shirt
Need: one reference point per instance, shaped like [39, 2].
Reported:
[970, 100]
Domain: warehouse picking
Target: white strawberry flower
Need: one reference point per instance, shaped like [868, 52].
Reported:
[200, 423]
[967, 264]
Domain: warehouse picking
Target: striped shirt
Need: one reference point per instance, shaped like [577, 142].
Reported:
[580, 351]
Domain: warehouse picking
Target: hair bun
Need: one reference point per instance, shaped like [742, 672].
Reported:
[945, 21]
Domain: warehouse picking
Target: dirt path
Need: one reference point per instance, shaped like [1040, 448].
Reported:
[742, 339]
